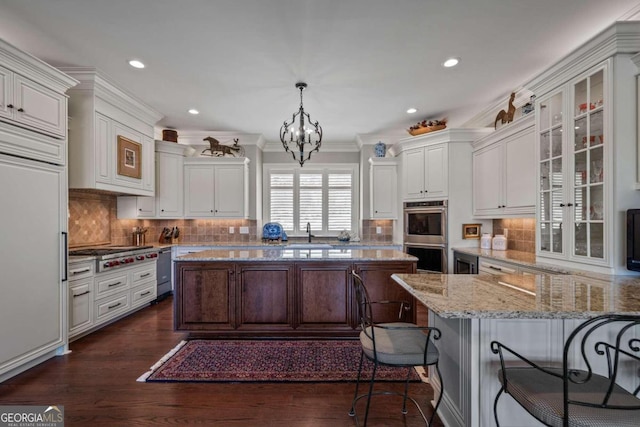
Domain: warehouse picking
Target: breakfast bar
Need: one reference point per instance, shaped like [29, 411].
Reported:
[280, 292]
[532, 314]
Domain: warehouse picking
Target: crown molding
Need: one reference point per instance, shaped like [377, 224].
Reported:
[196, 137]
[457, 135]
[373, 139]
[28, 65]
[92, 79]
[333, 147]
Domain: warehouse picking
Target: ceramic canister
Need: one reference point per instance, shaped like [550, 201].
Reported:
[485, 241]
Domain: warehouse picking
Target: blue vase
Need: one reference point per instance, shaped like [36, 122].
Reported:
[380, 149]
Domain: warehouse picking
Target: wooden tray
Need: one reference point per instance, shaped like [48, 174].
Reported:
[426, 129]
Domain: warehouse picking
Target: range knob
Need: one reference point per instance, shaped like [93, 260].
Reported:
[107, 264]
[140, 257]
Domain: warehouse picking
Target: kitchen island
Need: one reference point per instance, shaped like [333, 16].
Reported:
[276, 292]
[533, 314]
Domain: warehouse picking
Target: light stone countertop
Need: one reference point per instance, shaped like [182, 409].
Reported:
[523, 296]
[280, 254]
[525, 259]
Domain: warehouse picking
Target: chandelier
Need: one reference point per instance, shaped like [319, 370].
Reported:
[301, 131]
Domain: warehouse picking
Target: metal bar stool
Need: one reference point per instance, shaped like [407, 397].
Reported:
[583, 390]
[397, 344]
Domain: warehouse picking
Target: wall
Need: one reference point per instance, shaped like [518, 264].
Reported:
[93, 221]
[521, 233]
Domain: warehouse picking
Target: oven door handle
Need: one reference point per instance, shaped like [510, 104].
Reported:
[425, 210]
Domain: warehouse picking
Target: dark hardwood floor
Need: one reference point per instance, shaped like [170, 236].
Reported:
[97, 385]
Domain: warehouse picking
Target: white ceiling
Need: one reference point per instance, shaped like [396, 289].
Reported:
[365, 61]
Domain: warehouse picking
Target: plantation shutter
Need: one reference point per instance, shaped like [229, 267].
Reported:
[281, 205]
[339, 206]
[310, 201]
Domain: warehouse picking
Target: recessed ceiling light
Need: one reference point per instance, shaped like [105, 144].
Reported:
[451, 62]
[412, 110]
[136, 63]
[194, 111]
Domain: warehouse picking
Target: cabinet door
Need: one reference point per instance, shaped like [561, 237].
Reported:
[551, 169]
[488, 173]
[414, 181]
[435, 170]
[80, 306]
[205, 295]
[229, 191]
[39, 107]
[324, 296]
[146, 207]
[169, 188]
[199, 192]
[383, 192]
[6, 93]
[380, 286]
[519, 184]
[266, 296]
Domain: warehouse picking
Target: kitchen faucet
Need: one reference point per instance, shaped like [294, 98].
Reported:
[309, 231]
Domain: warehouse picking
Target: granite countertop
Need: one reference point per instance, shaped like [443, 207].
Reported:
[281, 254]
[545, 296]
[259, 244]
[525, 259]
[80, 258]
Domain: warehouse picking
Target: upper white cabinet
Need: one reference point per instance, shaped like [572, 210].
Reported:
[384, 187]
[504, 171]
[32, 98]
[425, 173]
[111, 143]
[216, 188]
[168, 201]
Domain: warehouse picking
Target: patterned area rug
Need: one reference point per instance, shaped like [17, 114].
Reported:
[267, 361]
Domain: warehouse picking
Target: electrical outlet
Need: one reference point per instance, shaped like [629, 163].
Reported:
[244, 230]
[232, 230]
[506, 233]
[378, 230]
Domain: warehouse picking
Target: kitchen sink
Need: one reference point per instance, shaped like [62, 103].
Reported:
[309, 246]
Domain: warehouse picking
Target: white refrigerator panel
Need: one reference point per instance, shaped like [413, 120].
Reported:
[32, 265]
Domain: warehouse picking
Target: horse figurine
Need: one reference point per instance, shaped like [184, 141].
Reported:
[506, 116]
[219, 150]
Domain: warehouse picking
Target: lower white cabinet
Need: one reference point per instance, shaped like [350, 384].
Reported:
[504, 171]
[81, 293]
[98, 299]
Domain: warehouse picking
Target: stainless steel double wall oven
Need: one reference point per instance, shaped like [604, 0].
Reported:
[425, 234]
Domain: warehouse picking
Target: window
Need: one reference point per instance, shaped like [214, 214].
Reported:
[323, 196]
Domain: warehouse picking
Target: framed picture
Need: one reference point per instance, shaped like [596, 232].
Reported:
[129, 158]
[471, 231]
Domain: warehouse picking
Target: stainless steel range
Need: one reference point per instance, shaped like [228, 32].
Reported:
[113, 257]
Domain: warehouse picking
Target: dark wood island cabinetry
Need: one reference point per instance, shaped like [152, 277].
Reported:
[274, 294]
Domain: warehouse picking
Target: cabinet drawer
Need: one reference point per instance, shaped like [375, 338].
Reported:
[81, 270]
[143, 294]
[106, 309]
[108, 285]
[491, 268]
[143, 275]
[80, 306]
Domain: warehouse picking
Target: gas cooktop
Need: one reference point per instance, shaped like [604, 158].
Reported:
[105, 250]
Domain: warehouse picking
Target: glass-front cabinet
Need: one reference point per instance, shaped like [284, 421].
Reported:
[572, 170]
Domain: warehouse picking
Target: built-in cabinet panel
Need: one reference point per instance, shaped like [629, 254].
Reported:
[504, 171]
[425, 173]
[216, 188]
[384, 186]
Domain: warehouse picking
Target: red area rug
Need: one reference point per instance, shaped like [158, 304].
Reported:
[267, 361]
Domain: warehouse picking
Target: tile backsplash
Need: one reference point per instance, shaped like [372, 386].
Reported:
[370, 233]
[521, 233]
[89, 218]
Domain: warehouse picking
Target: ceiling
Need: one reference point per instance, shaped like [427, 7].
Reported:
[365, 61]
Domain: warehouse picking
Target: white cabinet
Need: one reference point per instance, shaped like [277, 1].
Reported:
[27, 103]
[80, 297]
[168, 201]
[573, 170]
[384, 186]
[425, 173]
[504, 171]
[101, 112]
[216, 188]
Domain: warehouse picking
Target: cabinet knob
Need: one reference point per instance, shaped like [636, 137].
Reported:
[376, 211]
[162, 210]
[21, 110]
[569, 204]
[211, 211]
[140, 209]
[562, 205]
[10, 106]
